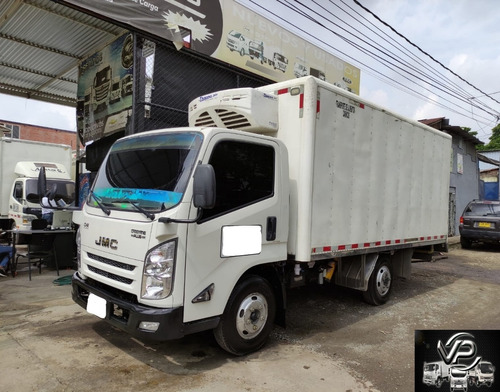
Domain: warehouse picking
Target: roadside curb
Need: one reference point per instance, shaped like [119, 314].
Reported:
[454, 242]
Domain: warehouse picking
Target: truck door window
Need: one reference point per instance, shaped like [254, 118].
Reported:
[244, 175]
[18, 191]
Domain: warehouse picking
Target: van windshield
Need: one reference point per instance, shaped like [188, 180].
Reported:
[150, 172]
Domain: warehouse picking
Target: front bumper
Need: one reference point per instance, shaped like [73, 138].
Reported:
[128, 316]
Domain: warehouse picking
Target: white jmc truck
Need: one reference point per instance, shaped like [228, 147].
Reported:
[205, 227]
[20, 163]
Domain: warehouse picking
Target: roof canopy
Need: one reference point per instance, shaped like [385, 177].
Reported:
[42, 44]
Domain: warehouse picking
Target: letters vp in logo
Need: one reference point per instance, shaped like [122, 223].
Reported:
[459, 347]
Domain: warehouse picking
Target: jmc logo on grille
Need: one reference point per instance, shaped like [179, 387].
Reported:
[107, 243]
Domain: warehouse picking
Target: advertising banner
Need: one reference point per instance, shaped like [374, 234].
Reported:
[105, 86]
[231, 32]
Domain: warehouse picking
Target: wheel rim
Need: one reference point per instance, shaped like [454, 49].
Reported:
[383, 280]
[252, 316]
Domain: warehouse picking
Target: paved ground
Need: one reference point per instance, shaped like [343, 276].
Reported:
[333, 342]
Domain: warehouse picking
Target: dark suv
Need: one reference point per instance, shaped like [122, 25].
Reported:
[480, 222]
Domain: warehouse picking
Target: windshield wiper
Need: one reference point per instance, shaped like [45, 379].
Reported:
[98, 200]
[139, 208]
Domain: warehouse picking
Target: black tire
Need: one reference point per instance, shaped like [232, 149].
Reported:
[439, 382]
[465, 243]
[251, 304]
[242, 52]
[380, 283]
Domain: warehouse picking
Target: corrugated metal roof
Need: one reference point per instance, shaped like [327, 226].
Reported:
[443, 124]
[42, 43]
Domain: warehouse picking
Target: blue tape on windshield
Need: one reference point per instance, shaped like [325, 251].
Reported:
[117, 194]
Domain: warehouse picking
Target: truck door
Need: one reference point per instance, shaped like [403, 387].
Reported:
[247, 226]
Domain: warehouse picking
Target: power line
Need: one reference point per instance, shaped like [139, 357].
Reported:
[424, 52]
[416, 74]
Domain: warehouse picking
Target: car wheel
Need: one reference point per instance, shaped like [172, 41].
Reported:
[465, 243]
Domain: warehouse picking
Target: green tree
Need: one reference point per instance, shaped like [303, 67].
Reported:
[494, 143]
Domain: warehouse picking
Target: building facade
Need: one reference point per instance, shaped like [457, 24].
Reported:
[464, 169]
[37, 133]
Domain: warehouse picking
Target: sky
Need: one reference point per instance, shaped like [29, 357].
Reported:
[463, 35]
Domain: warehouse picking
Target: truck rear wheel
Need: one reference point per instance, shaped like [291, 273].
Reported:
[380, 283]
[248, 318]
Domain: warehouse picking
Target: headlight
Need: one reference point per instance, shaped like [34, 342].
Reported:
[158, 272]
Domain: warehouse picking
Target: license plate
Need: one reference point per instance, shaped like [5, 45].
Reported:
[484, 224]
[96, 305]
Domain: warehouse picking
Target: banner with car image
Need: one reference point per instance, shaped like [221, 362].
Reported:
[229, 31]
[105, 86]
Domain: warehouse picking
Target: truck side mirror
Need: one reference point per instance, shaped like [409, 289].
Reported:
[42, 183]
[204, 187]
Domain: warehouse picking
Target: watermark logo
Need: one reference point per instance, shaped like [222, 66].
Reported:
[459, 347]
[464, 360]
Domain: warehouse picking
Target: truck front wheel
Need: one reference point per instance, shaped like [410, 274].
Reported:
[380, 283]
[248, 318]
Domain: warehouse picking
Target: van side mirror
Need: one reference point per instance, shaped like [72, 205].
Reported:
[204, 187]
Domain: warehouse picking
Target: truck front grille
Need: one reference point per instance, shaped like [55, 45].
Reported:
[110, 275]
[111, 262]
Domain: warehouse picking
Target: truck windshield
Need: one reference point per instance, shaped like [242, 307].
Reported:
[147, 172]
[458, 373]
[486, 368]
[64, 190]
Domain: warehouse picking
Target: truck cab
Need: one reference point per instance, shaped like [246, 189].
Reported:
[482, 374]
[435, 373]
[256, 49]
[24, 203]
[458, 380]
[142, 215]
